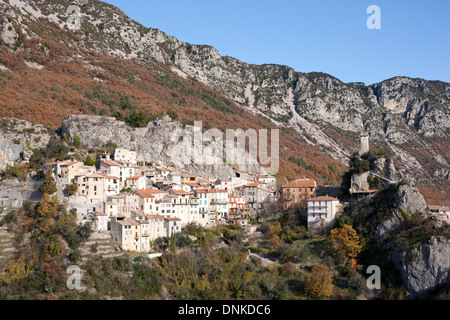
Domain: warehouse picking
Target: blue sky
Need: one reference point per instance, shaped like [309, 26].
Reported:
[316, 35]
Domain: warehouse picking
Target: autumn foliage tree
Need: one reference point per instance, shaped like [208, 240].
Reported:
[49, 186]
[347, 241]
[72, 189]
[319, 283]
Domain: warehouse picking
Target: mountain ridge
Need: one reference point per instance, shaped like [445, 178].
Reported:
[406, 116]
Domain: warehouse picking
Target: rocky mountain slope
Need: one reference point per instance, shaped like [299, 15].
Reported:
[406, 117]
[410, 246]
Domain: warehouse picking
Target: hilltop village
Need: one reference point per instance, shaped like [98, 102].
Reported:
[137, 202]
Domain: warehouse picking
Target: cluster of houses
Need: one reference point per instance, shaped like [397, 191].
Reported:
[138, 204]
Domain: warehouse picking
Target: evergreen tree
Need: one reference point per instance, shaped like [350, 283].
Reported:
[89, 161]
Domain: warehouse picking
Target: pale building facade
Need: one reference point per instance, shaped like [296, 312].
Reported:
[321, 213]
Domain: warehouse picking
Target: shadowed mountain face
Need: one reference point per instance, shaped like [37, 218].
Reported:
[48, 69]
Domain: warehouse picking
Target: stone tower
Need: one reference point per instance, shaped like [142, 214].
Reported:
[364, 144]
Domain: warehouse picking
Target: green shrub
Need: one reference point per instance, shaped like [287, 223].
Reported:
[76, 141]
[172, 114]
[89, 161]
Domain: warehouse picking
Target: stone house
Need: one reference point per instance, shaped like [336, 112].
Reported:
[68, 171]
[297, 192]
[146, 201]
[136, 182]
[127, 232]
[172, 225]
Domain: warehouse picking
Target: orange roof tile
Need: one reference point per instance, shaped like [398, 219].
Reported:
[108, 177]
[180, 192]
[301, 183]
[69, 163]
[128, 222]
[193, 184]
[252, 185]
[323, 198]
[134, 178]
[172, 219]
[153, 216]
[366, 191]
[109, 163]
[144, 193]
[149, 190]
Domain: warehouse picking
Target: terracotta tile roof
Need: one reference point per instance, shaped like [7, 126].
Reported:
[172, 219]
[145, 193]
[150, 190]
[153, 216]
[96, 175]
[109, 177]
[194, 185]
[180, 192]
[134, 178]
[69, 163]
[324, 198]
[301, 183]
[365, 191]
[187, 175]
[252, 185]
[201, 191]
[163, 201]
[109, 162]
[128, 222]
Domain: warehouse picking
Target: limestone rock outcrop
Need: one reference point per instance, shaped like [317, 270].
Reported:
[163, 142]
[423, 268]
[18, 138]
[406, 198]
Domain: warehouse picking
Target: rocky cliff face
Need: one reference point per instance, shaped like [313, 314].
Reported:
[163, 141]
[418, 245]
[424, 268]
[405, 199]
[18, 138]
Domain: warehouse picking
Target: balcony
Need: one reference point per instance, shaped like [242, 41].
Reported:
[219, 201]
